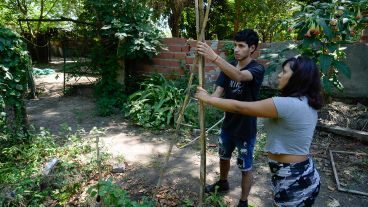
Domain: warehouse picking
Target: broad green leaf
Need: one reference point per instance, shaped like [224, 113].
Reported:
[331, 47]
[19, 87]
[8, 76]
[316, 43]
[307, 42]
[93, 194]
[327, 84]
[325, 62]
[271, 68]
[343, 68]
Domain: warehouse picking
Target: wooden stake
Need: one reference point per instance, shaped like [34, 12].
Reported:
[347, 132]
[337, 177]
[202, 139]
[200, 37]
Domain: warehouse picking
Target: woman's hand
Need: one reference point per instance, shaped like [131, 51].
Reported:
[206, 51]
[202, 94]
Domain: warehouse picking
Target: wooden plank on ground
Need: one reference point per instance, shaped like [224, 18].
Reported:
[351, 133]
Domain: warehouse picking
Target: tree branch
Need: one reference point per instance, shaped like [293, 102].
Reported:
[53, 4]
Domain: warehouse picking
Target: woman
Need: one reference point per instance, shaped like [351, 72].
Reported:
[290, 127]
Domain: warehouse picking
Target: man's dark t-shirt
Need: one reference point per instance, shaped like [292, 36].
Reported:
[244, 127]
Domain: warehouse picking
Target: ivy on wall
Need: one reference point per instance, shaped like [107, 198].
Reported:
[14, 68]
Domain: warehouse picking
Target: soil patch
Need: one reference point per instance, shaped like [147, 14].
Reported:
[348, 115]
[144, 152]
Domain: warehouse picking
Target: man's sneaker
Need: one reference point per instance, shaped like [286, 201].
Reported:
[243, 203]
[222, 186]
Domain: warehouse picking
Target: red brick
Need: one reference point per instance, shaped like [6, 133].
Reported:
[189, 60]
[166, 62]
[175, 41]
[166, 55]
[180, 56]
[262, 45]
[263, 62]
[169, 70]
[256, 54]
[178, 48]
[172, 55]
[363, 39]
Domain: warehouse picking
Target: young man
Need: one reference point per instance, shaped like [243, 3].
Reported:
[240, 80]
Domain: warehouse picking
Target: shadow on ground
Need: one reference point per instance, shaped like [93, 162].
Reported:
[144, 152]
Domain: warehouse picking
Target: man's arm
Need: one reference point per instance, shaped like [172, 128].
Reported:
[232, 72]
[218, 92]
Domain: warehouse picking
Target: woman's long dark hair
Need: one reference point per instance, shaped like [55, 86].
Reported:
[305, 81]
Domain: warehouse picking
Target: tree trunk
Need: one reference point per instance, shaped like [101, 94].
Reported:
[174, 21]
[31, 84]
[24, 121]
[120, 73]
[176, 7]
[237, 16]
[16, 119]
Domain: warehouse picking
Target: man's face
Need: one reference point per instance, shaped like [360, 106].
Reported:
[242, 50]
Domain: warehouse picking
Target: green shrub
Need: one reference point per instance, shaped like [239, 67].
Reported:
[158, 101]
[155, 104]
[22, 182]
[267, 92]
[14, 68]
[110, 97]
[113, 195]
[322, 30]
[212, 115]
[126, 32]
[229, 51]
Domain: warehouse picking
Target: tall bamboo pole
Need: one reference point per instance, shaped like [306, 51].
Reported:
[186, 99]
[202, 139]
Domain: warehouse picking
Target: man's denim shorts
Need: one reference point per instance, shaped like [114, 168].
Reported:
[227, 144]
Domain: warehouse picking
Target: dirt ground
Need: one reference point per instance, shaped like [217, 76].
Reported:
[144, 152]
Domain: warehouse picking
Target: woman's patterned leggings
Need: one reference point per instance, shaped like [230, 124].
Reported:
[294, 184]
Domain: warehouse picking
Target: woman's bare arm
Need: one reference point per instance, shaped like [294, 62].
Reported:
[264, 108]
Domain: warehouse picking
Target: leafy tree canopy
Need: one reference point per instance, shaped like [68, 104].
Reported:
[12, 10]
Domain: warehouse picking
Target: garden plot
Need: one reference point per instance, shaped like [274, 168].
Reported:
[182, 177]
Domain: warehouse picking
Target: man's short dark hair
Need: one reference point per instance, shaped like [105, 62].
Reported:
[248, 36]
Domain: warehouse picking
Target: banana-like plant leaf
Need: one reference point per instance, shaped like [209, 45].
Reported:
[325, 62]
[343, 68]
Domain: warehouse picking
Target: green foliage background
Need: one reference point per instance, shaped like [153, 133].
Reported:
[14, 69]
[124, 30]
[156, 104]
[322, 31]
[22, 182]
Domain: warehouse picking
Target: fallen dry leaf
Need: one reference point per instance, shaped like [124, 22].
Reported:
[331, 188]
[332, 202]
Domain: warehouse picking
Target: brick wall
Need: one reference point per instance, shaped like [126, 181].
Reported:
[179, 56]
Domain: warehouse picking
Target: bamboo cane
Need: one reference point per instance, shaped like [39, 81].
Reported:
[186, 99]
[202, 139]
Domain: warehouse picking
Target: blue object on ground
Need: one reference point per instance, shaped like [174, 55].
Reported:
[44, 71]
